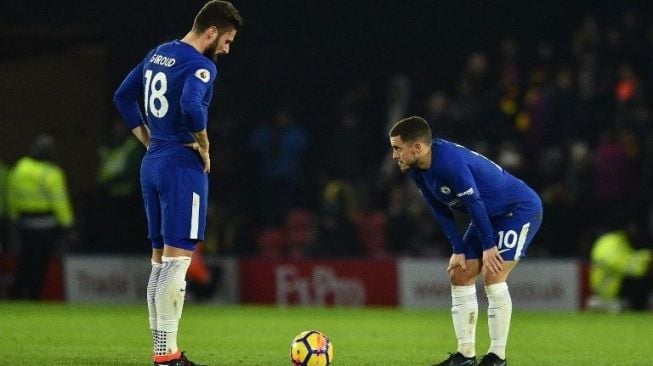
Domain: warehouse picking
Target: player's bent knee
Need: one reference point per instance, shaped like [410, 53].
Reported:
[460, 277]
[492, 278]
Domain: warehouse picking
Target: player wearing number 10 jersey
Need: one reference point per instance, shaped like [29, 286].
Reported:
[175, 84]
[505, 215]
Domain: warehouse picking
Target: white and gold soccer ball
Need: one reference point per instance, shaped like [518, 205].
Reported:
[311, 348]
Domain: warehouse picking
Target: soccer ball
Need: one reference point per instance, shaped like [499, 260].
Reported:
[311, 348]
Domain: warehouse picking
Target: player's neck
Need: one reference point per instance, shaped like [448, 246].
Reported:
[194, 40]
[424, 162]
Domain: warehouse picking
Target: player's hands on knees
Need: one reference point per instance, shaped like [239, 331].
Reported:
[457, 260]
[492, 260]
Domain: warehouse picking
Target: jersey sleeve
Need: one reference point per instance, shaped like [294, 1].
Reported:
[458, 173]
[442, 215]
[447, 222]
[194, 104]
[127, 96]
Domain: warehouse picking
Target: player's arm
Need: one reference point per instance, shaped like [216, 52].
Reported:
[126, 100]
[447, 222]
[445, 218]
[142, 133]
[202, 146]
[458, 174]
[464, 185]
[442, 214]
[195, 109]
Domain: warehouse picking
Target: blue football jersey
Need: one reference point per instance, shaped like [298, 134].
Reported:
[464, 180]
[175, 83]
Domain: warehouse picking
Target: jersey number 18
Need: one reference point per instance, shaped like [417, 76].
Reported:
[155, 89]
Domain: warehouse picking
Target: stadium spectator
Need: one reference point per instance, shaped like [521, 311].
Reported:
[294, 239]
[271, 243]
[437, 113]
[621, 273]
[397, 100]
[335, 235]
[300, 231]
[346, 157]
[614, 176]
[563, 108]
[372, 225]
[280, 148]
[118, 193]
[39, 206]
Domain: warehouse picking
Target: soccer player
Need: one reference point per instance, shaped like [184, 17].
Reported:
[505, 215]
[175, 83]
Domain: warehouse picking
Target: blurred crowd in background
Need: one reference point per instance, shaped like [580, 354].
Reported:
[574, 121]
[572, 118]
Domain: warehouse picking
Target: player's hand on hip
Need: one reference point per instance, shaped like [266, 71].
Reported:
[457, 260]
[193, 145]
[492, 260]
[206, 158]
[204, 154]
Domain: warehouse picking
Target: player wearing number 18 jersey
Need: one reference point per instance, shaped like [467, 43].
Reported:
[174, 82]
[505, 215]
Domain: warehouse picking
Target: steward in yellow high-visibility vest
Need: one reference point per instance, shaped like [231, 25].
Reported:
[614, 261]
[37, 188]
[39, 206]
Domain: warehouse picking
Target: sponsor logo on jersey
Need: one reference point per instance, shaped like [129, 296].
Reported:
[468, 192]
[445, 190]
[203, 74]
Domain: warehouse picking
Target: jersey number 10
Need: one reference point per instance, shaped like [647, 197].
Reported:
[155, 89]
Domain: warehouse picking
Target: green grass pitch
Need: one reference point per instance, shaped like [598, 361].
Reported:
[58, 334]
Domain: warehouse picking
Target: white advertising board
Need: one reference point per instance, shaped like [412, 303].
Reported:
[123, 279]
[534, 284]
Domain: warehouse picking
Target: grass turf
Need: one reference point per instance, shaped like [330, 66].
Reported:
[58, 334]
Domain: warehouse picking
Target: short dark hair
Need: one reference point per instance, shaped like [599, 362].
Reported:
[217, 13]
[412, 129]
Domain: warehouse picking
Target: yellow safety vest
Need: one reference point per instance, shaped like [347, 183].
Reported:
[115, 167]
[3, 189]
[613, 258]
[36, 186]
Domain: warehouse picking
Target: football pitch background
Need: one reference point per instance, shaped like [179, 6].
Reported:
[60, 334]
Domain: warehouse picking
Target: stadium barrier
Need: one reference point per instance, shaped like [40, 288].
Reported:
[316, 282]
[534, 284]
[53, 287]
[405, 282]
[123, 279]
